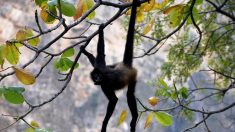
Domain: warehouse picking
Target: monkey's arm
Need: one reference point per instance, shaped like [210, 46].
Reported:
[100, 59]
[89, 56]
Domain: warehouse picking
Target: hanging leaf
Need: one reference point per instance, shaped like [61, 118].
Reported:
[149, 120]
[153, 100]
[67, 8]
[164, 118]
[87, 4]
[24, 76]
[23, 34]
[13, 97]
[148, 27]
[122, 117]
[46, 17]
[64, 64]
[68, 53]
[79, 10]
[11, 53]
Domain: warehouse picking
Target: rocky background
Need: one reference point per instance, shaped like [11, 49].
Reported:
[82, 106]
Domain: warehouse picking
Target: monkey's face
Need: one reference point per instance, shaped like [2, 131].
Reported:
[97, 77]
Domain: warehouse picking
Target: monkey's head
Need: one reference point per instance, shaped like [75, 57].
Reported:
[97, 76]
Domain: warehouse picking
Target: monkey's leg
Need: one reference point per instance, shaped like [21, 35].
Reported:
[110, 94]
[132, 104]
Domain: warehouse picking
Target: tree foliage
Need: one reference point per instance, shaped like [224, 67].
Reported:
[199, 36]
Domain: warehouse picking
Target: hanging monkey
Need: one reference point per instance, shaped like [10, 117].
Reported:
[117, 76]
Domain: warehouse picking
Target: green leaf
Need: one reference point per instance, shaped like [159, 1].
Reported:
[16, 89]
[175, 14]
[195, 16]
[68, 53]
[14, 97]
[162, 83]
[198, 2]
[2, 56]
[63, 64]
[12, 54]
[87, 4]
[164, 118]
[39, 2]
[42, 130]
[23, 34]
[68, 9]
[184, 92]
[1, 92]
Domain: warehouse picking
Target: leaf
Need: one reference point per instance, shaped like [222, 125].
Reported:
[46, 17]
[63, 64]
[149, 120]
[24, 76]
[175, 14]
[184, 92]
[23, 34]
[164, 118]
[67, 8]
[198, 2]
[39, 2]
[122, 117]
[14, 97]
[2, 56]
[162, 83]
[79, 10]
[42, 130]
[11, 53]
[148, 6]
[87, 4]
[161, 5]
[17, 89]
[153, 100]
[139, 17]
[195, 15]
[68, 53]
[173, 8]
[148, 27]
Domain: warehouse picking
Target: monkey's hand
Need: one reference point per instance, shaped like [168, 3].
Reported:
[101, 27]
[82, 49]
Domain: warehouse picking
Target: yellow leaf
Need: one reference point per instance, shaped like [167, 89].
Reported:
[122, 117]
[34, 124]
[148, 120]
[24, 76]
[174, 8]
[153, 100]
[148, 27]
[79, 10]
[148, 6]
[139, 17]
[46, 17]
[161, 5]
[87, 4]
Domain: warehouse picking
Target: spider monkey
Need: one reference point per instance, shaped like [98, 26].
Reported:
[116, 76]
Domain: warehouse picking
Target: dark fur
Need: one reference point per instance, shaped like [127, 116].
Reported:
[117, 76]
